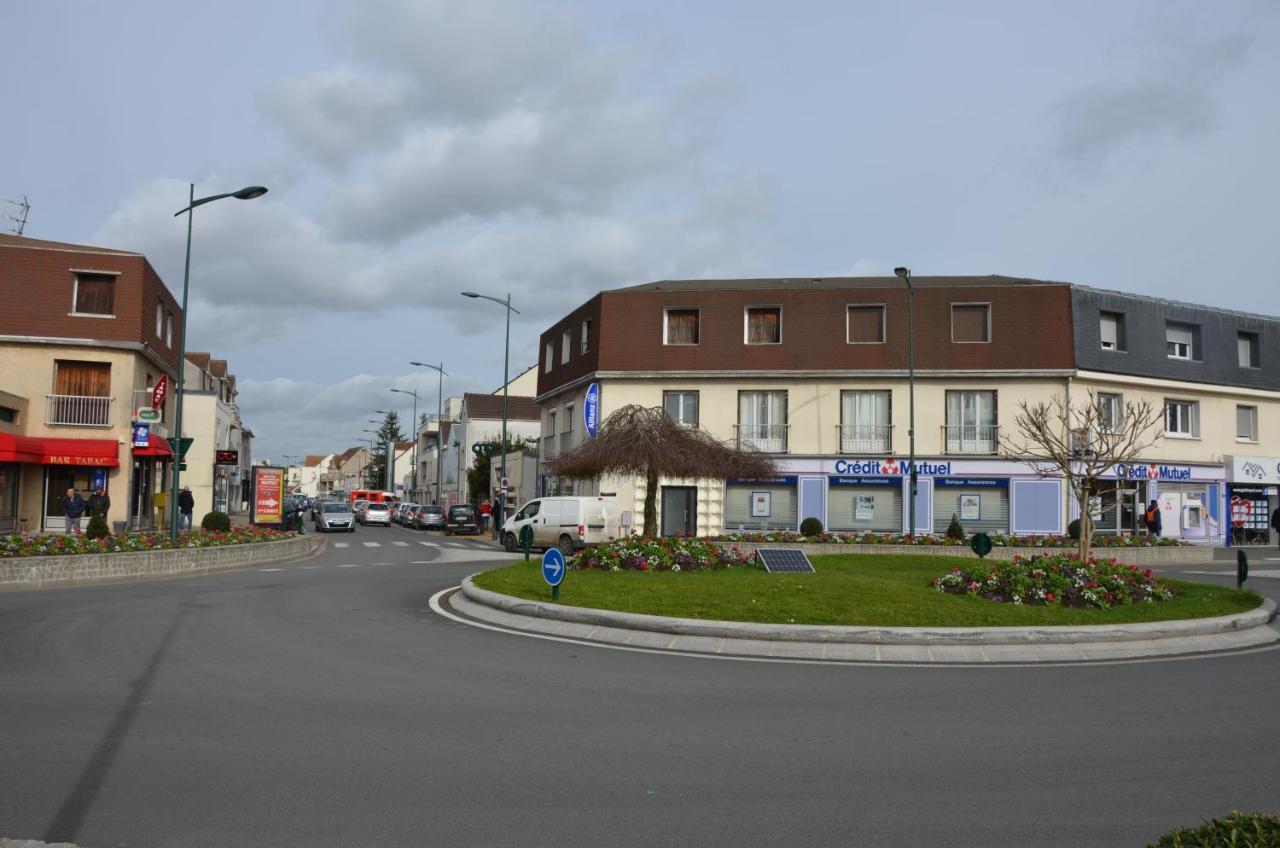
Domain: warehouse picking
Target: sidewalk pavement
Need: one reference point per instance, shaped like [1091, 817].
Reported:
[911, 645]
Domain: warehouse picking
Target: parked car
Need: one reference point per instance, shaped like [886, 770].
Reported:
[358, 506]
[375, 513]
[569, 524]
[333, 515]
[462, 519]
[404, 512]
[428, 518]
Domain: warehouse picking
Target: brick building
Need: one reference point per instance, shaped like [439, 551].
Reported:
[815, 372]
[86, 335]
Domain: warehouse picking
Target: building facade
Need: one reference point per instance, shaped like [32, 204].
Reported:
[219, 449]
[815, 372]
[87, 340]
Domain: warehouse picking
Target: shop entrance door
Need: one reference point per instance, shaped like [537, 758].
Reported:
[813, 499]
[57, 479]
[679, 510]
[140, 496]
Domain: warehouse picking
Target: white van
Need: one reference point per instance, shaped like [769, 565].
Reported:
[569, 524]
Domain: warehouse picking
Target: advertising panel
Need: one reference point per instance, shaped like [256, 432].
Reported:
[591, 410]
[268, 495]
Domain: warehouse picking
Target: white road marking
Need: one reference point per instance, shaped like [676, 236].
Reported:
[342, 544]
[372, 544]
[430, 544]
[310, 567]
[419, 562]
[271, 569]
[350, 565]
[383, 563]
[401, 544]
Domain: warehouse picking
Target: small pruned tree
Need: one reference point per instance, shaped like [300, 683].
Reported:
[1081, 442]
[648, 442]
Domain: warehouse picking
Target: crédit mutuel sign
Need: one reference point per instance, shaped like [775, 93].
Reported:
[890, 468]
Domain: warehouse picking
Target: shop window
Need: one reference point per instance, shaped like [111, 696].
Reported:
[95, 294]
[1181, 341]
[1246, 423]
[762, 325]
[865, 324]
[682, 407]
[1111, 327]
[680, 326]
[1247, 350]
[970, 322]
[1181, 418]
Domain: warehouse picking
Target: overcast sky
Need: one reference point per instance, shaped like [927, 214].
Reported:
[415, 149]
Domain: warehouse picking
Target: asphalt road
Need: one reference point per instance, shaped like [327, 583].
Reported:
[324, 704]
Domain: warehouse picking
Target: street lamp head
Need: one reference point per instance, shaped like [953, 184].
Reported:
[470, 294]
[249, 192]
[902, 272]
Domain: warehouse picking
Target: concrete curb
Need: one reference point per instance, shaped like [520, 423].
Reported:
[1140, 556]
[921, 636]
[32, 843]
[55, 571]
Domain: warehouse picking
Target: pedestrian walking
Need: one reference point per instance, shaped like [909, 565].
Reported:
[486, 513]
[186, 506]
[1275, 522]
[73, 509]
[1152, 518]
[99, 502]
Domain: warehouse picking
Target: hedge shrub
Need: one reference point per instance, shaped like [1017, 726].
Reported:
[97, 528]
[955, 530]
[216, 521]
[1238, 830]
[811, 527]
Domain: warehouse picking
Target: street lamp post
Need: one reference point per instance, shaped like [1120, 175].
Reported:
[439, 428]
[905, 275]
[246, 193]
[413, 480]
[506, 378]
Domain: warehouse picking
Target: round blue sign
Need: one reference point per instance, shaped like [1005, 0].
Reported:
[553, 567]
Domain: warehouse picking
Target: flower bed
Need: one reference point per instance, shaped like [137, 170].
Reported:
[638, 553]
[999, 540]
[27, 544]
[1058, 579]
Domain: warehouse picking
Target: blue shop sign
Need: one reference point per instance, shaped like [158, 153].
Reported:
[591, 409]
[787, 480]
[973, 482]
[864, 481]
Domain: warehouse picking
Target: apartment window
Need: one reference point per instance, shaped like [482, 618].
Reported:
[1181, 418]
[159, 320]
[566, 339]
[8, 416]
[682, 407]
[762, 421]
[95, 294]
[762, 325]
[680, 327]
[970, 322]
[865, 325]
[1180, 341]
[1246, 423]
[168, 330]
[1111, 327]
[584, 343]
[551, 422]
[971, 422]
[1110, 412]
[864, 422]
[548, 358]
[568, 418]
[1247, 350]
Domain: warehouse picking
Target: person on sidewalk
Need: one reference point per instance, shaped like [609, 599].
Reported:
[1275, 521]
[186, 506]
[486, 511]
[99, 503]
[1152, 518]
[73, 509]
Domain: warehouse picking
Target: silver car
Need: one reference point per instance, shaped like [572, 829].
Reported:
[376, 513]
[334, 515]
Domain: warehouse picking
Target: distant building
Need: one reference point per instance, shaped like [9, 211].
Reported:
[220, 451]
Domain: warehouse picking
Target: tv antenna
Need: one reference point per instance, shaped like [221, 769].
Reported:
[20, 218]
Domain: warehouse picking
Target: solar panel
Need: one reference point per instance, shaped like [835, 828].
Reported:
[777, 560]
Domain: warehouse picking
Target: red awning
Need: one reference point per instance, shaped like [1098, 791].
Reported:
[40, 450]
[156, 446]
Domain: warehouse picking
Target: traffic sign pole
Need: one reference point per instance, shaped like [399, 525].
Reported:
[553, 569]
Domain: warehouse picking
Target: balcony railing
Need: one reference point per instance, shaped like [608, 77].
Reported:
[972, 438]
[77, 410]
[865, 438]
[766, 438]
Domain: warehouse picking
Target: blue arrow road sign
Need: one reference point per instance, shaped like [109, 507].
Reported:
[553, 567]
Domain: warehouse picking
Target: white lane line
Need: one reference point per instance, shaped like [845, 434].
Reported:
[384, 563]
[430, 544]
[372, 544]
[342, 544]
[419, 562]
[271, 569]
[310, 567]
[350, 565]
[401, 544]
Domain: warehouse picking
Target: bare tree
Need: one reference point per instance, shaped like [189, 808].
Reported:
[649, 443]
[1081, 442]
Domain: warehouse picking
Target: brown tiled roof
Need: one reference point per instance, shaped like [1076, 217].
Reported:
[218, 367]
[489, 407]
[312, 460]
[403, 446]
[199, 360]
[344, 457]
[7, 240]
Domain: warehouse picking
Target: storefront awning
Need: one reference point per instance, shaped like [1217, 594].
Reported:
[39, 450]
[156, 446]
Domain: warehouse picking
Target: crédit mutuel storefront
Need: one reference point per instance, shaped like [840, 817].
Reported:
[868, 495]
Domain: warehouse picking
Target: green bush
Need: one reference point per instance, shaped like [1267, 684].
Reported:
[1239, 830]
[216, 521]
[1073, 529]
[97, 528]
[811, 527]
[955, 530]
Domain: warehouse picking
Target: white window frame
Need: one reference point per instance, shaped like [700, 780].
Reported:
[75, 292]
[568, 417]
[159, 320]
[584, 344]
[1193, 419]
[1115, 402]
[1251, 438]
[954, 304]
[1254, 347]
[566, 345]
[1171, 327]
[746, 312]
[1117, 321]
[884, 321]
[549, 358]
[168, 330]
[666, 310]
[682, 393]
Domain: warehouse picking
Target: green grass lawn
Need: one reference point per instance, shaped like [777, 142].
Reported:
[847, 589]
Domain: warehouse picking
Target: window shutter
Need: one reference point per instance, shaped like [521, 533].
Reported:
[969, 323]
[83, 379]
[866, 324]
[94, 294]
[682, 326]
[764, 326]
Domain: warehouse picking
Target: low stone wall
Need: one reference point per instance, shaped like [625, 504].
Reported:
[1162, 555]
[43, 571]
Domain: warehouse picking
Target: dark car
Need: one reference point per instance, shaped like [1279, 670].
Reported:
[462, 519]
[428, 517]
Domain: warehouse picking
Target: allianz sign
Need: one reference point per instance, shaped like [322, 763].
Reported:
[1152, 472]
[891, 467]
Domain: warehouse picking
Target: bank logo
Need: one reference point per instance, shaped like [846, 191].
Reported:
[890, 467]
